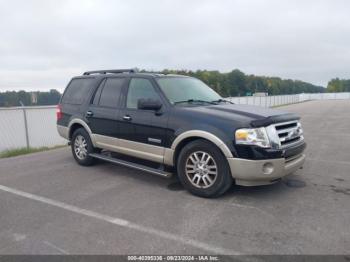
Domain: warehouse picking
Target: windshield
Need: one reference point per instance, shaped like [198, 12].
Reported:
[180, 89]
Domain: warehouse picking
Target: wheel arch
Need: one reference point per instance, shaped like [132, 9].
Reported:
[189, 136]
[74, 124]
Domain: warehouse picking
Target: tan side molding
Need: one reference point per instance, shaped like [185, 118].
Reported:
[128, 147]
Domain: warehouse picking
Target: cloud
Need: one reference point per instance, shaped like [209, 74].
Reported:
[44, 43]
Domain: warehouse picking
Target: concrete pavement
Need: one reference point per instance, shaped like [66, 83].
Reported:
[50, 205]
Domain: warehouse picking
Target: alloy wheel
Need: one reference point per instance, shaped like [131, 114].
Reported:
[201, 169]
[80, 147]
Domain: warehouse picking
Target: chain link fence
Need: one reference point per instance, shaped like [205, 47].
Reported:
[28, 127]
[36, 126]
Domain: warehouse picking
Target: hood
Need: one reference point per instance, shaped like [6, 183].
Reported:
[255, 115]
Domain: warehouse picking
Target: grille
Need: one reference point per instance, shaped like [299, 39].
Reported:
[289, 133]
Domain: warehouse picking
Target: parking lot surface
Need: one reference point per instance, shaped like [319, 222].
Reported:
[51, 205]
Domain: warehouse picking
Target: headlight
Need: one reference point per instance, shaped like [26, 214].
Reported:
[252, 136]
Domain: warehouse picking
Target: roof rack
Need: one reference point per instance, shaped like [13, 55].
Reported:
[112, 71]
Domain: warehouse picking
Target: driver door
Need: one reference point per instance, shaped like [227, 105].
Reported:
[142, 132]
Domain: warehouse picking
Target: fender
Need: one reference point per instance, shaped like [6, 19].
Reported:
[170, 152]
[86, 127]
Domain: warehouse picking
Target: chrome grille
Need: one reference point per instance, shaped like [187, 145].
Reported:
[289, 133]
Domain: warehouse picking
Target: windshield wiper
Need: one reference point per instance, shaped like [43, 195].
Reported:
[221, 100]
[194, 101]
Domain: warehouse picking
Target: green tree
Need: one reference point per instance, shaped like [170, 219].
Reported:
[338, 85]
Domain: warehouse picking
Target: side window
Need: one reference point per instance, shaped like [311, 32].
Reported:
[98, 93]
[140, 88]
[76, 91]
[111, 92]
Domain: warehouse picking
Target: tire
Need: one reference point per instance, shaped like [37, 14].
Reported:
[81, 147]
[198, 175]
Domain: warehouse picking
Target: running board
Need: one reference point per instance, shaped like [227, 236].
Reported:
[114, 160]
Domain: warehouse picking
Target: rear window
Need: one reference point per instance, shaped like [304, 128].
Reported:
[76, 91]
[98, 93]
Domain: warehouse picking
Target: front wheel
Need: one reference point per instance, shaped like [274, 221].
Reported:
[203, 169]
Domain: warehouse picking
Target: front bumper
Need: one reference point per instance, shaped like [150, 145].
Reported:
[263, 172]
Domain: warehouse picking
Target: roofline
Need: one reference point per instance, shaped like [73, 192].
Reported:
[134, 71]
[112, 71]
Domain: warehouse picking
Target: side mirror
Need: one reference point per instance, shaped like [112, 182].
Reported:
[149, 104]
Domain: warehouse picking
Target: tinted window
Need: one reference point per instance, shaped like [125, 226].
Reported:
[98, 93]
[140, 88]
[76, 91]
[111, 92]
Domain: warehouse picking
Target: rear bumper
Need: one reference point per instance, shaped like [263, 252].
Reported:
[63, 131]
[263, 172]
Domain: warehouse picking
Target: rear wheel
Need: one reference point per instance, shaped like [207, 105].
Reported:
[81, 147]
[203, 169]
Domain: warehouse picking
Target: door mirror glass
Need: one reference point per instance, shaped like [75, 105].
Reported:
[149, 104]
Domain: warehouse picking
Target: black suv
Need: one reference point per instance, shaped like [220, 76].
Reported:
[168, 124]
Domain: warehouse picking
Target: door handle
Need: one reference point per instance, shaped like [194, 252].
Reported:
[89, 113]
[127, 118]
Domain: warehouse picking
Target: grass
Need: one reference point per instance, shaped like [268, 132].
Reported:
[25, 151]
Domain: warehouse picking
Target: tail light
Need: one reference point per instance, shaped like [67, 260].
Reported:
[59, 113]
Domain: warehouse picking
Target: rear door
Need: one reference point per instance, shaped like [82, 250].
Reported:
[103, 112]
